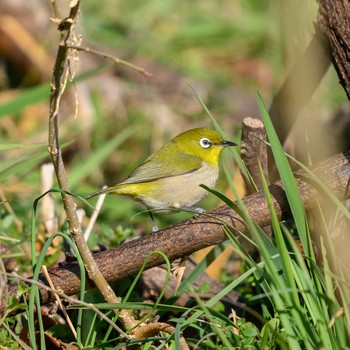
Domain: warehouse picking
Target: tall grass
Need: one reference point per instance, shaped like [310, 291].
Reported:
[299, 307]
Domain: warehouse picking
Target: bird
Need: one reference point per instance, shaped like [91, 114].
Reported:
[170, 178]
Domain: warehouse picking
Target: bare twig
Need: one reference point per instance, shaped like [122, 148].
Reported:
[3, 286]
[15, 336]
[47, 204]
[116, 60]
[44, 268]
[94, 215]
[333, 20]
[152, 329]
[59, 78]
[72, 301]
[55, 10]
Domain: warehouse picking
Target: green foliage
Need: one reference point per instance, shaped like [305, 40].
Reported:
[184, 40]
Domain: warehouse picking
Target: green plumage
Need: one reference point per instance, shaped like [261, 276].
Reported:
[160, 165]
[171, 177]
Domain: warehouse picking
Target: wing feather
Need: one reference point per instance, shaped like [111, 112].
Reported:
[159, 166]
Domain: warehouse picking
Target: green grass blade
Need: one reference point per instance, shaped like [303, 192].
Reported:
[21, 166]
[281, 246]
[308, 283]
[39, 93]
[25, 98]
[288, 180]
[10, 146]
[217, 329]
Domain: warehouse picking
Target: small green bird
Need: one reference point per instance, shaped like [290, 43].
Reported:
[170, 178]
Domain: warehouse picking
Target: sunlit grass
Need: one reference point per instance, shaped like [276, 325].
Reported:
[188, 41]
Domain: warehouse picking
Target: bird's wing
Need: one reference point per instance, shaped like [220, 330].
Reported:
[154, 168]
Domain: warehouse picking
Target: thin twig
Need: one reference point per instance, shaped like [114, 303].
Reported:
[56, 10]
[152, 329]
[94, 215]
[44, 268]
[47, 204]
[4, 291]
[116, 60]
[72, 301]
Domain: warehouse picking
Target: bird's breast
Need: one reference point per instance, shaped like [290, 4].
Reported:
[182, 190]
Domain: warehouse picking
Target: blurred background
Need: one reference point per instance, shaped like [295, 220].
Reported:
[113, 117]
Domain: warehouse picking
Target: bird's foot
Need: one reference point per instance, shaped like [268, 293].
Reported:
[154, 225]
[154, 228]
[197, 210]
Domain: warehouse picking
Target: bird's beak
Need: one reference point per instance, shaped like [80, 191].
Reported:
[225, 143]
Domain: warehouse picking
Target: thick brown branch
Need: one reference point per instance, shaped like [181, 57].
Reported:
[334, 22]
[194, 234]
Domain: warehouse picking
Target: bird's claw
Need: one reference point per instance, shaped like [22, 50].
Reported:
[199, 211]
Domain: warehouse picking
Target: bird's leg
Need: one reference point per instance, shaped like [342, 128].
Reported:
[154, 226]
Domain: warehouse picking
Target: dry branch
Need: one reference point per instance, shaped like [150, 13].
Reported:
[194, 234]
[334, 21]
[254, 151]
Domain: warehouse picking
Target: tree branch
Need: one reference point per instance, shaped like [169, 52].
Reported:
[334, 21]
[195, 233]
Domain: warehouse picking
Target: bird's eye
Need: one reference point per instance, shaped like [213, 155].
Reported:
[204, 142]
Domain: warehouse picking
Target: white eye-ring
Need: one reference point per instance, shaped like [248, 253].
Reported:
[204, 142]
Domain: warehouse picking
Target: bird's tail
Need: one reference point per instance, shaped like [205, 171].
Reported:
[97, 193]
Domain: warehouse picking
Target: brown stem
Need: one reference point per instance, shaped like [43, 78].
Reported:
[71, 300]
[153, 329]
[60, 71]
[116, 60]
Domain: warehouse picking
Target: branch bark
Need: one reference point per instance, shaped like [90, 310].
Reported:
[254, 151]
[334, 21]
[331, 44]
[195, 233]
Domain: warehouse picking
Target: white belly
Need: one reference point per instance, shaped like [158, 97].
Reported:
[183, 190]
